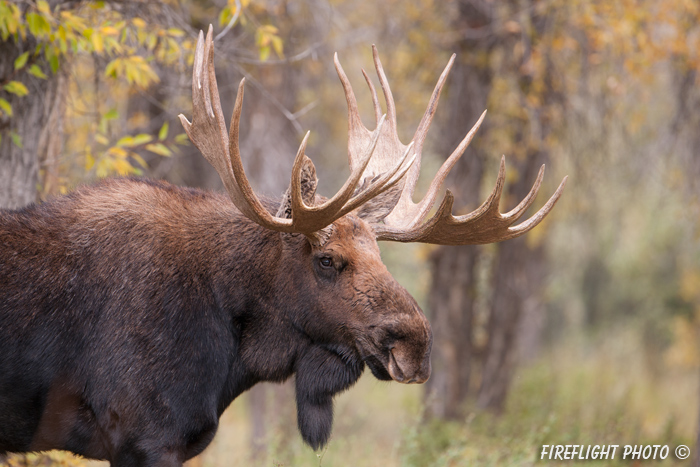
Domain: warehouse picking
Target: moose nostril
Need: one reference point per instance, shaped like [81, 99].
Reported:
[412, 381]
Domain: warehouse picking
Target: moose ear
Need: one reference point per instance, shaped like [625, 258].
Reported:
[309, 181]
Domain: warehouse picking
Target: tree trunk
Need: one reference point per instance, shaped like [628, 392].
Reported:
[517, 278]
[519, 268]
[37, 121]
[453, 292]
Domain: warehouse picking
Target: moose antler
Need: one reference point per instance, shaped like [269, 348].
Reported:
[404, 220]
[208, 132]
[382, 179]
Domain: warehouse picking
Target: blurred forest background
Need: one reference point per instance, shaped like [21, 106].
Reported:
[584, 331]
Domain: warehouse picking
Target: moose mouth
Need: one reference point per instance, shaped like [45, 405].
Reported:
[388, 371]
[378, 368]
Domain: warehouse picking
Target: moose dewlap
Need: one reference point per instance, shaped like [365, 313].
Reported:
[132, 312]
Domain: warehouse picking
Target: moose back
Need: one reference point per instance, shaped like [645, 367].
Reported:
[132, 312]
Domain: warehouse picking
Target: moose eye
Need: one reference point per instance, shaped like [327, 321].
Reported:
[326, 262]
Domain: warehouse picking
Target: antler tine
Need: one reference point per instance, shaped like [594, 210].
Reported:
[208, 132]
[375, 99]
[356, 130]
[541, 214]
[388, 96]
[249, 204]
[206, 126]
[424, 126]
[520, 209]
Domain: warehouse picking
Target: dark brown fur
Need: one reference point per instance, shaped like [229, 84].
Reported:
[133, 312]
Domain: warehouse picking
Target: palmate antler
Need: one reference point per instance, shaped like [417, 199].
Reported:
[208, 132]
[382, 179]
[404, 220]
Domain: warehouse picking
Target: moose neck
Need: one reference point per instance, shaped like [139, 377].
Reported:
[268, 315]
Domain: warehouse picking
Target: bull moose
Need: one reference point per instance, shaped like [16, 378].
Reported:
[132, 312]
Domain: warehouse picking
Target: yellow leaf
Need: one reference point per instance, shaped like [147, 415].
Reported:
[139, 159]
[109, 31]
[122, 167]
[6, 107]
[17, 88]
[21, 61]
[264, 53]
[118, 152]
[142, 138]
[163, 133]
[125, 141]
[159, 149]
[43, 7]
[101, 139]
[97, 42]
[89, 161]
[278, 46]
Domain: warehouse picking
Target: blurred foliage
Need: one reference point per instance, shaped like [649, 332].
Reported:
[96, 45]
[110, 57]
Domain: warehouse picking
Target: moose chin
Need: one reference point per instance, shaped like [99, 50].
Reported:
[133, 312]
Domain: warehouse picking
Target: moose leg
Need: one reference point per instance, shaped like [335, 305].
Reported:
[321, 373]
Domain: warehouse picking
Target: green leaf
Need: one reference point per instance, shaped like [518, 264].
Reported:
[182, 138]
[6, 107]
[35, 70]
[225, 16]
[127, 141]
[17, 88]
[21, 61]
[159, 149]
[16, 139]
[131, 141]
[143, 138]
[163, 133]
[53, 62]
[38, 26]
[112, 68]
[111, 114]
